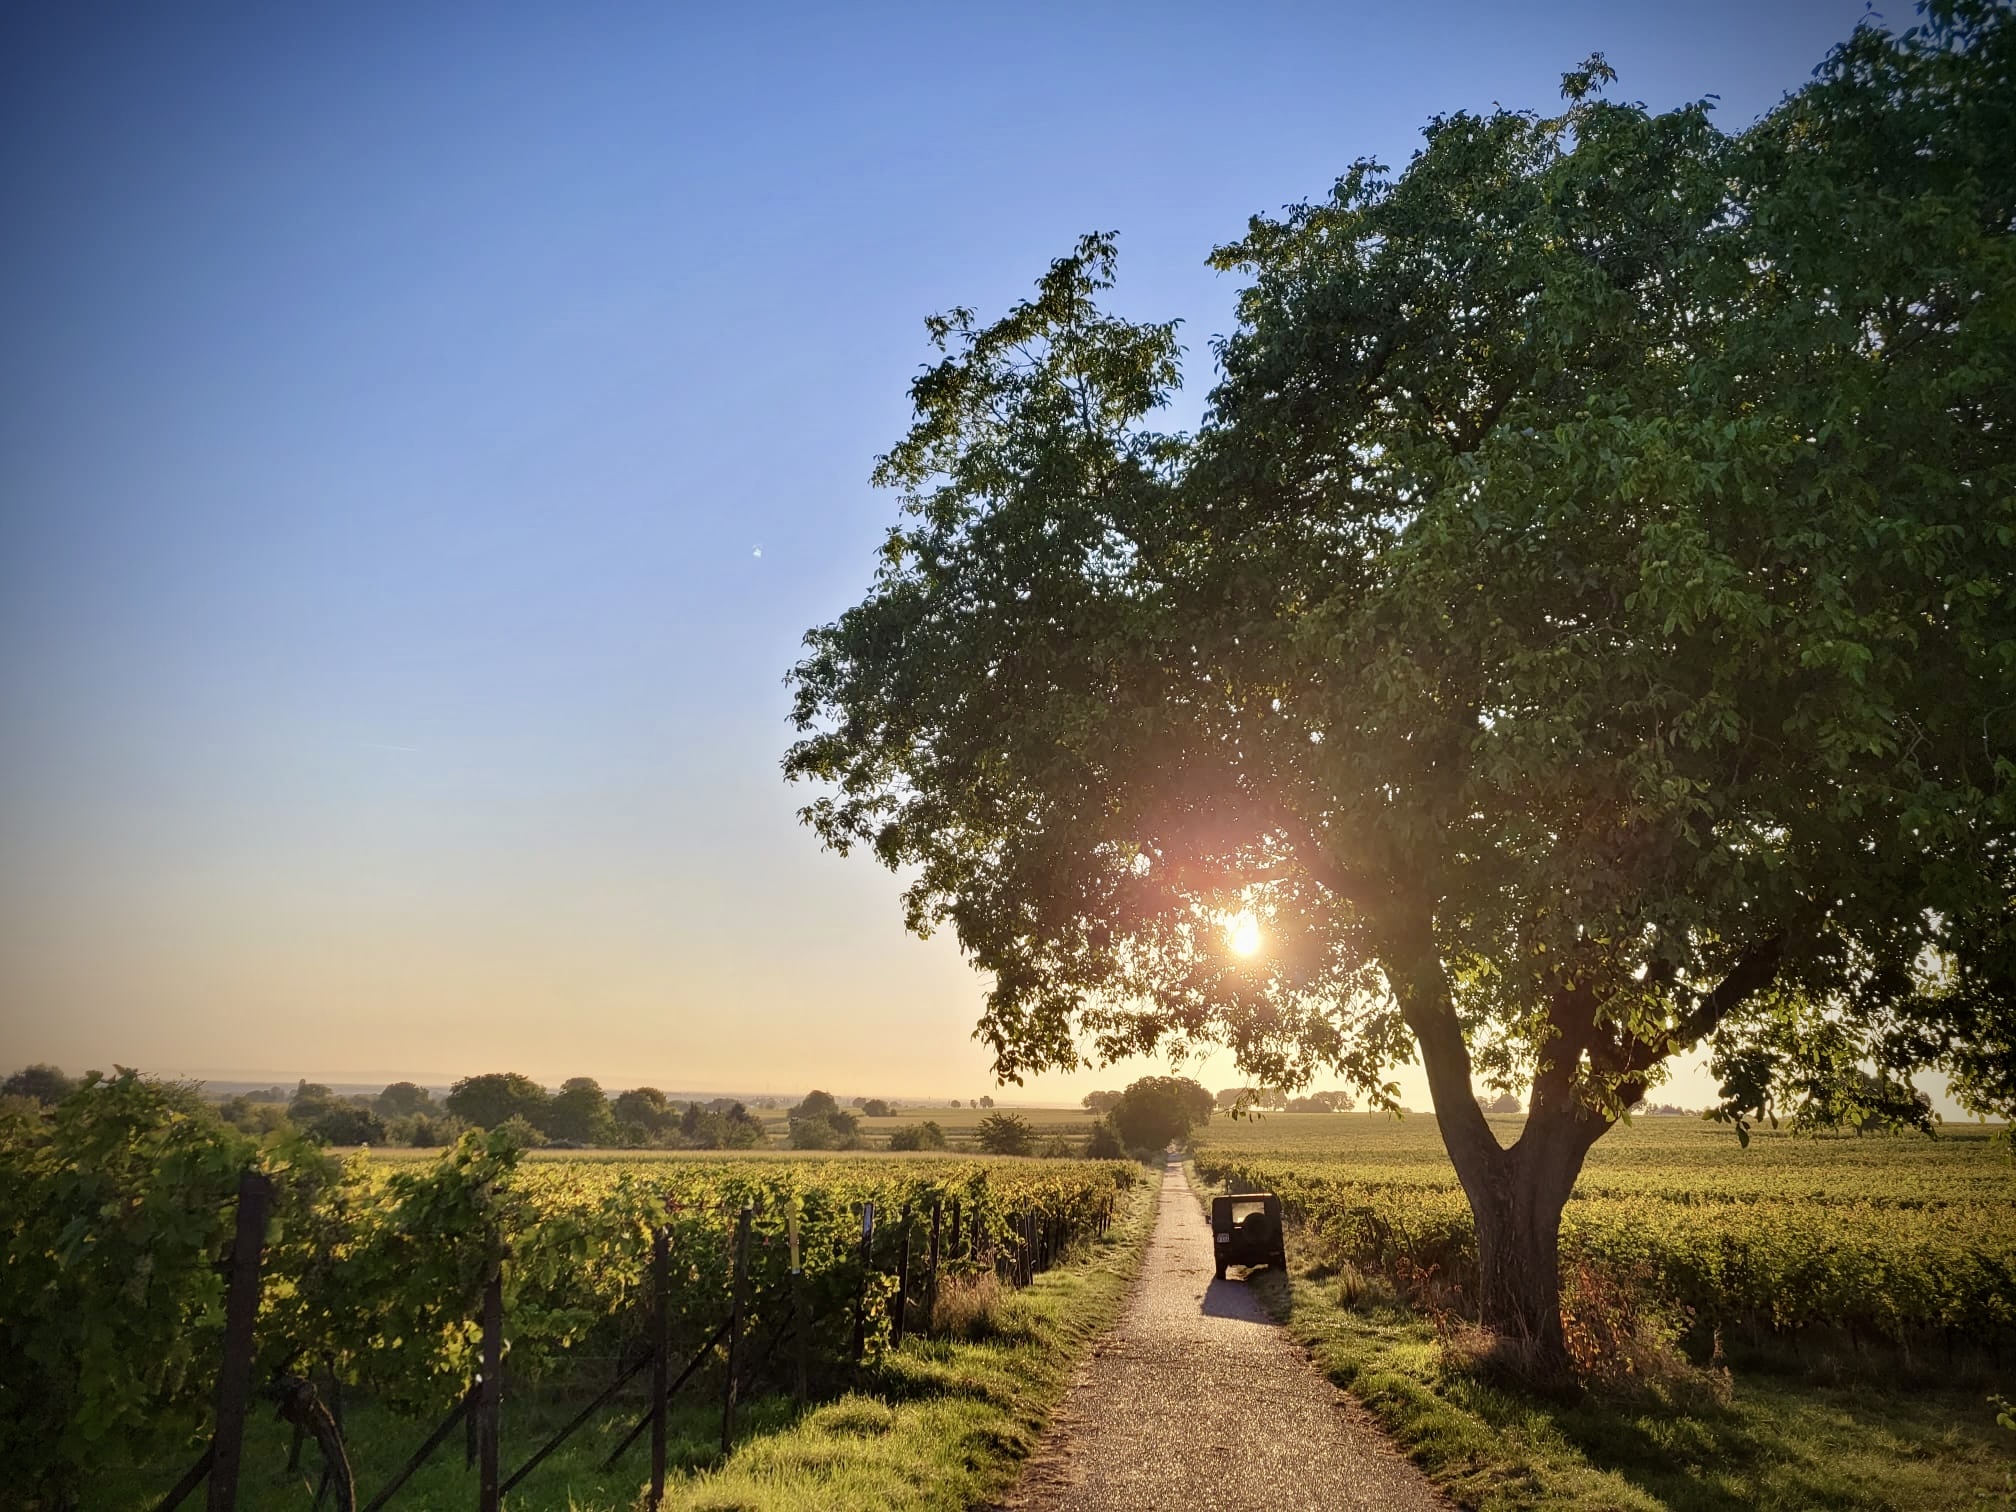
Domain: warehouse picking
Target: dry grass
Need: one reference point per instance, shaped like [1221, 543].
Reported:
[969, 1306]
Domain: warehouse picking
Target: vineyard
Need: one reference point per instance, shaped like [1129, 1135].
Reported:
[118, 1219]
[1904, 1240]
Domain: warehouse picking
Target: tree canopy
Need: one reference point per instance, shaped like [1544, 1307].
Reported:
[404, 1098]
[1157, 1109]
[1583, 627]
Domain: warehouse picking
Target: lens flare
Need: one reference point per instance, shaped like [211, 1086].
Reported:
[1242, 933]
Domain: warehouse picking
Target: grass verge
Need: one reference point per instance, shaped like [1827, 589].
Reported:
[1777, 1443]
[941, 1425]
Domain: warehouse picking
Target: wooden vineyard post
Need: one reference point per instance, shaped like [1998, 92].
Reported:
[952, 1245]
[801, 1317]
[931, 1286]
[735, 1303]
[903, 1280]
[490, 1398]
[661, 1348]
[241, 1311]
[861, 1291]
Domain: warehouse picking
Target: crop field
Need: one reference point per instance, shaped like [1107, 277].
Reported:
[1901, 1239]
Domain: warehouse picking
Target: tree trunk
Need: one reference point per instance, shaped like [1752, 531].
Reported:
[1516, 1195]
[1517, 1209]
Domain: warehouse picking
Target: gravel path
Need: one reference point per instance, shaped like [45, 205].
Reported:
[1199, 1402]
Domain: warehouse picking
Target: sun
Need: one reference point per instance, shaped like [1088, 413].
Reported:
[1242, 933]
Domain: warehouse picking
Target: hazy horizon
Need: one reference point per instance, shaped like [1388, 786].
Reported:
[424, 440]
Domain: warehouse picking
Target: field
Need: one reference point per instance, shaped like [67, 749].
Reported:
[1903, 1241]
[1808, 1322]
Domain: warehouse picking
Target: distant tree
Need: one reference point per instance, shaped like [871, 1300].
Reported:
[251, 1117]
[495, 1098]
[1006, 1134]
[1321, 1102]
[857, 1102]
[726, 1124]
[41, 1081]
[344, 1123]
[1157, 1109]
[918, 1136]
[1504, 1102]
[645, 1109]
[971, 1102]
[1100, 1103]
[580, 1113]
[986, 1102]
[816, 1105]
[424, 1131]
[876, 1107]
[311, 1103]
[837, 1129]
[1251, 1099]
[741, 1129]
[402, 1098]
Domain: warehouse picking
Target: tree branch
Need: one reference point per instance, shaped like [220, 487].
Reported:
[1755, 969]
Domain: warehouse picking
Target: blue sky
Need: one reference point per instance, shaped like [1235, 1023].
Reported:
[395, 401]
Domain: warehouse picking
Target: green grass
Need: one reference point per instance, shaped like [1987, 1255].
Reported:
[939, 1425]
[1778, 1442]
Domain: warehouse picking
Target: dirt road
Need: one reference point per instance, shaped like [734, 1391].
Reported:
[1198, 1402]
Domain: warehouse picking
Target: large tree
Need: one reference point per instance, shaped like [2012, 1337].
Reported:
[1157, 1109]
[580, 1113]
[1583, 627]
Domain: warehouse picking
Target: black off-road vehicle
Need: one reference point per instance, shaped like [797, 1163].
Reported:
[1246, 1230]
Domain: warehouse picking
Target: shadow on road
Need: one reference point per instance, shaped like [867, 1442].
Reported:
[1233, 1298]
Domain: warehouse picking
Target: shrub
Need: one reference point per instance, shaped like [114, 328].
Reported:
[524, 1134]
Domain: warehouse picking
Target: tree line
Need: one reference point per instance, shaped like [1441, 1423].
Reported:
[581, 1115]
